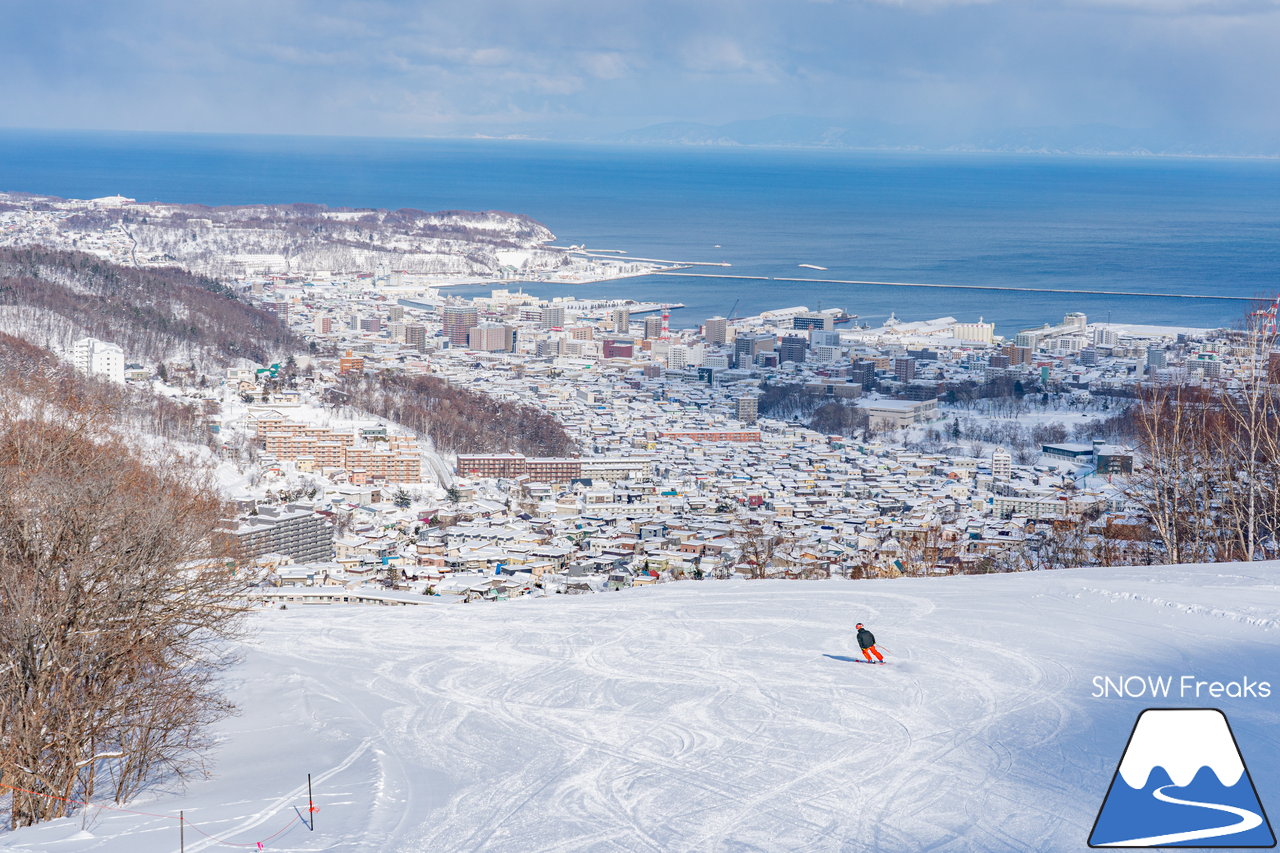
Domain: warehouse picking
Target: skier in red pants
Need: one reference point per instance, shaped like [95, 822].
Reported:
[867, 642]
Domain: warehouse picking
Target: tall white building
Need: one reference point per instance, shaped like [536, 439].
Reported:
[825, 354]
[1106, 337]
[1001, 464]
[718, 361]
[99, 358]
[1072, 326]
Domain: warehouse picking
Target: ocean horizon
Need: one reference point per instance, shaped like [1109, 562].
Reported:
[1072, 222]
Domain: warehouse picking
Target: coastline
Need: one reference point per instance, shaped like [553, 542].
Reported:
[1067, 224]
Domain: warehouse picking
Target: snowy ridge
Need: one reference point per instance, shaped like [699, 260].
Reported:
[227, 240]
[1181, 742]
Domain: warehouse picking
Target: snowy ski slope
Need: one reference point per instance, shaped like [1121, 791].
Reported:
[713, 716]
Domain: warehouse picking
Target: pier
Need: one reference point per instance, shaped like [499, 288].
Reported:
[1002, 287]
[620, 255]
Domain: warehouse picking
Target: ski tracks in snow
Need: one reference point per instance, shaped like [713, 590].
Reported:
[274, 809]
[694, 723]
[700, 717]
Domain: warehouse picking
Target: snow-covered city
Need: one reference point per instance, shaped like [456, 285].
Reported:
[766, 427]
[731, 497]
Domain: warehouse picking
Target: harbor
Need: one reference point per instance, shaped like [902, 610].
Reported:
[997, 287]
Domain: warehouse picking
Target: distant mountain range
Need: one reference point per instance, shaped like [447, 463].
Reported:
[814, 132]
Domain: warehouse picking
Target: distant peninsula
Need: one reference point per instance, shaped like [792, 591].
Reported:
[813, 132]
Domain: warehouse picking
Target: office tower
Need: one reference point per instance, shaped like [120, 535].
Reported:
[457, 320]
[716, 330]
[621, 320]
[552, 317]
[792, 348]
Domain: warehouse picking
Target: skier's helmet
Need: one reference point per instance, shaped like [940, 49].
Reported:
[859, 624]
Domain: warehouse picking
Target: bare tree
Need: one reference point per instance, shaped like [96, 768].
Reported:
[921, 547]
[762, 543]
[1058, 544]
[1250, 435]
[1210, 461]
[115, 611]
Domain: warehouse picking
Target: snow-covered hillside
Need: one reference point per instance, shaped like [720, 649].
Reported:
[714, 716]
[228, 240]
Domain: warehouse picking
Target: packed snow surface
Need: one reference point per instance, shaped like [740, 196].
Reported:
[712, 716]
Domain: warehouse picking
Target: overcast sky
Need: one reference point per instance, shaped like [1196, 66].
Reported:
[1177, 69]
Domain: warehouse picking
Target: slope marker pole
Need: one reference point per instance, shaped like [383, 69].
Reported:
[311, 804]
[182, 832]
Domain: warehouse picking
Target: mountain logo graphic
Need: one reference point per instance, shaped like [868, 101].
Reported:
[1182, 782]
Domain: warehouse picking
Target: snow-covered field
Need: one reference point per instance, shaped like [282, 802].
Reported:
[714, 716]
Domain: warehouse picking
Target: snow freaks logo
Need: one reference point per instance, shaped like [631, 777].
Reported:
[1186, 687]
[1182, 783]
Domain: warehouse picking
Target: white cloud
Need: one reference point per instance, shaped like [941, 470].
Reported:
[609, 65]
[716, 54]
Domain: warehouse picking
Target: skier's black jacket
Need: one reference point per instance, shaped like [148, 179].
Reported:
[866, 639]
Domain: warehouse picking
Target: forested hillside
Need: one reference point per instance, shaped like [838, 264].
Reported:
[33, 379]
[459, 420]
[51, 298]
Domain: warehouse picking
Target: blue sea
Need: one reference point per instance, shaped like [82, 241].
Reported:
[1087, 223]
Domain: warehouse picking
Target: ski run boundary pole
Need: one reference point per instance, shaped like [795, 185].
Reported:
[294, 819]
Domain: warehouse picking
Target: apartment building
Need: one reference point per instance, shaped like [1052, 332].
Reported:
[388, 459]
[552, 469]
[295, 530]
[350, 363]
[747, 435]
[491, 337]
[457, 321]
[716, 330]
[99, 358]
